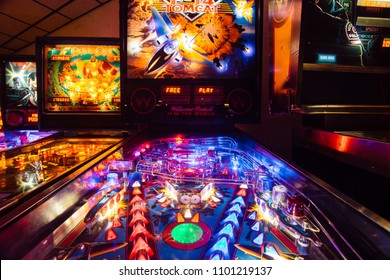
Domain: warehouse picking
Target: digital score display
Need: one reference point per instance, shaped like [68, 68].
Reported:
[175, 95]
[209, 95]
[175, 90]
[386, 43]
[378, 4]
[208, 90]
[373, 27]
[202, 94]
[81, 78]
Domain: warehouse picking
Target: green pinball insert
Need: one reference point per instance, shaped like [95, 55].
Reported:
[187, 233]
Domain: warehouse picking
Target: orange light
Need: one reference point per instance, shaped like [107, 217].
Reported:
[135, 199]
[343, 143]
[136, 191]
[104, 210]
[205, 90]
[140, 245]
[121, 212]
[165, 204]
[137, 207]
[111, 234]
[139, 229]
[196, 217]
[241, 192]
[179, 140]
[117, 223]
[377, 4]
[138, 217]
[173, 90]
[180, 218]
[141, 257]
[386, 43]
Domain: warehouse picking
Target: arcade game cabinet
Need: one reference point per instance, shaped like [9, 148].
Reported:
[19, 102]
[343, 95]
[30, 167]
[189, 185]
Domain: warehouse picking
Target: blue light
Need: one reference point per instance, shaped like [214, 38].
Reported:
[112, 179]
[249, 50]
[235, 209]
[215, 257]
[326, 58]
[238, 200]
[137, 153]
[232, 218]
[256, 226]
[226, 230]
[259, 239]
[220, 246]
[253, 216]
[271, 251]
[224, 66]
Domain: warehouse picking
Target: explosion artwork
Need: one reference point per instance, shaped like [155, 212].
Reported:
[195, 39]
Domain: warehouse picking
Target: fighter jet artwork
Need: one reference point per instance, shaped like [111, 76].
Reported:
[174, 48]
[164, 43]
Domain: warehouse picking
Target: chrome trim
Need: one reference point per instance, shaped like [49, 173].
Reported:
[374, 156]
[372, 216]
[345, 68]
[347, 109]
[373, 21]
[362, 152]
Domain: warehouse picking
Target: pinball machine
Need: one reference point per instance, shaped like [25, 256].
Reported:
[19, 102]
[32, 159]
[19, 93]
[19, 127]
[188, 184]
[336, 77]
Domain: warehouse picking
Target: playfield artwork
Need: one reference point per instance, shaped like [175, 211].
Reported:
[82, 78]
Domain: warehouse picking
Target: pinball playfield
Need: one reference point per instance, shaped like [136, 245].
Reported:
[191, 198]
[31, 166]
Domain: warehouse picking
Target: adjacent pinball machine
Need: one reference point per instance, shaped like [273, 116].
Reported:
[188, 185]
[31, 159]
[19, 102]
[19, 122]
[19, 93]
[336, 76]
[79, 83]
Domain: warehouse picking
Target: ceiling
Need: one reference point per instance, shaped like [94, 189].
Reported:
[21, 21]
